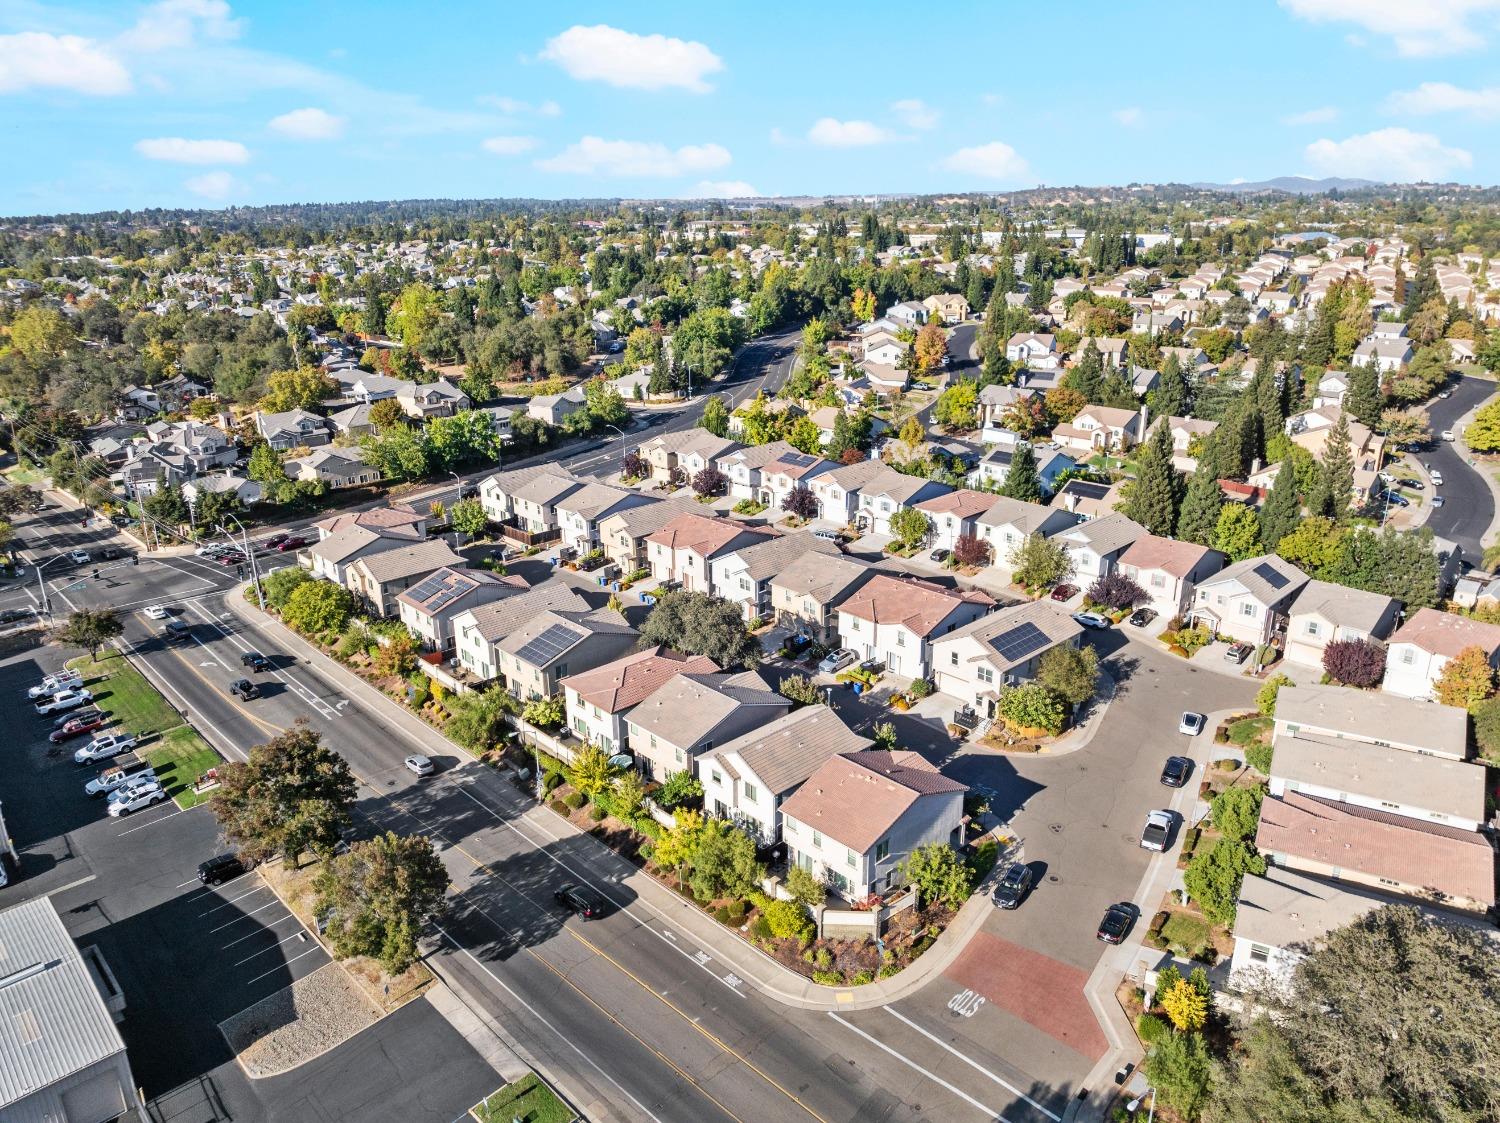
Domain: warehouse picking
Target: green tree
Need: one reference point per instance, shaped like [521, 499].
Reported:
[1313, 546]
[1180, 1068]
[1032, 706]
[1282, 510]
[1185, 1005]
[1198, 520]
[1265, 697]
[468, 437]
[301, 388]
[701, 624]
[591, 772]
[1236, 812]
[1169, 398]
[674, 849]
[415, 314]
[1038, 562]
[804, 887]
[387, 414]
[1408, 426]
[478, 720]
[1338, 466]
[90, 628]
[1213, 877]
[957, 406]
[1072, 673]
[603, 402]
[1021, 479]
[1238, 532]
[803, 435]
[939, 875]
[317, 608]
[544, 713]
[1087, 375]
[375, 899]
[715, 416]
[723, 862]
[291, 795]
[468, 517]
[1483, 433]
[910, 527]
[1157, 492]
[1364, 398]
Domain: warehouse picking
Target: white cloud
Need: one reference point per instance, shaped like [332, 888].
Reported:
[36, 60]
[1389, 155]
[176, 24]
[915, 113]
[832, 133]
[211, 185]
[308, 124]
[1444, 97]
[1129, 117]
[1432, 27]
[549, 108]
[593, 155]
[176, 150]
[515, 107]
[996, 160]
[508, 145]
[641, 62]
[1320, 116]
[721, 189]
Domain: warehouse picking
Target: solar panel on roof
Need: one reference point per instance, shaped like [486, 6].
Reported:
[1087, 489]
[1019, 642]
[1270, 576]
[546, 647]
[426, 588]
[797, 459]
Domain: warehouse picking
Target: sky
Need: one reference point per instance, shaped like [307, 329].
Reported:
[208, 103]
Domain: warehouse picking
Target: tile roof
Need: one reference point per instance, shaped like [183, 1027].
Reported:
[1048, 617]
[451, 584]
[356, 541]
[378, 518]
[768, 558]
[629, 681]
[857, 798]
[1433, 783]
[1269, 579]
[1444, 633]
[965, 503]
[701, 534]
[1368, 715]
[1104, 535]
[920, 605]
[785, 752]
[1170, 555]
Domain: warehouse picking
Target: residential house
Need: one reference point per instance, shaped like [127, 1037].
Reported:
[882, 378]
[744, 575]
[623, 534]
[1101, 429]
[896, 620]
[742, 467]
[838, 489]
[1332, 388]
[554, 409]
[433, 399]
[1087, 499]
[1250, 600]
[884, 349]
[247, 491]
[599, 701]
[534, 504]
[479, 629]
[580, 512]
[495, 491]
[376, 579]
[806, 593]
[1188, 433]
[1008, 522]
[909, 314]
[369, 388]
[1422, 647]
[949, 307]
[975, 662]
[994, 469]
[854, 821]
[171, 395]
[334, 467]
[1311, 430]
[692, 713]
[677, 457]
[954, 515]
[1111, 350]
[787, 473]
[684, 549]
[1387, 355]
[541, 652]
[1033, 349]
[294, 428]
[1325, 613]
[353, 421]
[429, 607]
[400, 520]
[330, 557]
[748, 779]
[884, 495]
[1169, 570]
[1097, 545]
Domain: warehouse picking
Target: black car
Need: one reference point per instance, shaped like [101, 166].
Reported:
[220, 869]
[1013, 886]
[244, 688]
[1176, 771]
[175, 631]
[585, 902]
[255, 661]
[1141, 617]
[1116, 923]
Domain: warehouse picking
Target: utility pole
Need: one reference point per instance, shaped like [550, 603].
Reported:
[260, 594]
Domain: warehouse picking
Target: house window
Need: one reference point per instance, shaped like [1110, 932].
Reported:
[817, 840]
[718, 779]
[900, 639]
[954, 658]
[850, 860]
[1312, 628]
[1248, 608]
[1259, 953]
[984, 674]
[1158, 581]
[679, 756]
[1409, 656]
[882, 849]
[751, 793]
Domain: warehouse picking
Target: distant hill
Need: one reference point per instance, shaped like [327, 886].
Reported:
[1293, 185]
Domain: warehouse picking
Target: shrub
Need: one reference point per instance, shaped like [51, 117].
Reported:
[801, 689]
[828, 978]
[860, 978]
[887, 970]
[597, 813]
[1265, 698]
[1151, 1029]
[1032, 706]
[559, 806]
[920, 688]
[787, 919]
[721, 914]
[551, 782]
[1116, 590]
[921, 945]
[1258, 757]
[1236, 812]
[1355, 662]
[823, 957]
[736, 912]
[760, 929]
[575, 800]
[1487, 729]
[1159, 920]
[681, 789]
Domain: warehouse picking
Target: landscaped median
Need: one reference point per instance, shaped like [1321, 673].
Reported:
[529, 1099]
[172, 747]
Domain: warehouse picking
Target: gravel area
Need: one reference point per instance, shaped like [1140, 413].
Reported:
[298, 1022]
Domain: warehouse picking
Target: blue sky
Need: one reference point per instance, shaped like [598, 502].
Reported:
[208, 103]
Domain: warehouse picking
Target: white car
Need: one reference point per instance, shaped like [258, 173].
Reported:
[155, 612]
[69, 699]
[1191, 724]
[50, 685]
[79, 557]
[1158, 830]
[105, 747]
[1438, 500]
[1091, 619]
[1437, 478]
[419, 765]
[112, 780]
[1449, 436]
[134, 799]
[836, 661]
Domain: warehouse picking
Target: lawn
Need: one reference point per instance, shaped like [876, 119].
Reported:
[22, 477]
[181, 758]
[1247, 731]
[1186, 933]
[528, 1100]
[123, 692]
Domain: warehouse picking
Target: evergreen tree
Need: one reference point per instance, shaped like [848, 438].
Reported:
[1364, 397]
[1338, 465]
[1022, 481]
[1268, 401]
[1115, 391]
[1317, 348]
[1235, 441]
[1422, 288]
[1319, 498]
[1170, 398]
[1157, 492]
[1088, 376]
[1198, 520]
[1282, 511]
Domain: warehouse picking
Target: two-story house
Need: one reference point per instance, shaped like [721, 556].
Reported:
[623, 534]
[1249, 601]
[432, 399]
[1097, 545]
[789, 472]
[883, 496]
[1033, 349]
[1324, 613]
[581, 512]
[838, 489]
[479, 630]
[692, 713]
[1423, 646]
[806, 593]
[535, 503]
[541, 652]
[429, 607]
[1009, 522]
[896, 620]
[1101, 429]
[293, 428]
[678, 457]
[376, 579]
[744, 575]
[599, 701]
[684, 549]
[954, 515]
[947, 307]
[330, 557]
[1169, 569]
[742, 467]
[974, 662]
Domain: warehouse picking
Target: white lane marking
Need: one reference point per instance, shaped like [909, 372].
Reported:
[71, 885]
[214, 659]
[232, 900]
[283, 966]
[244, 916]
[530, 1009]
[273, 947]
[966, 1003]
[975, 1065]
[172, 694]
[990, 1113]
[152, 823]
[262, 931]
[321, 707]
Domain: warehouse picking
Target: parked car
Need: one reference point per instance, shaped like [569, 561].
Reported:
[59, 680]
[76, 725]
[292, 542]
[1445, 393]
[1176, 771]
[1238, 652]
[64, 700]
[255, 661]
[1141, 617]
[939, 555]
[220, 868]
[156, 612]
[1437, 478]
[836, 661]
[127, 801]
[244, 689]
[825, 533]
[1394, 498]
[1064, 592]
[105, 747]
[1013, 886]
[79, 557]
[113, 779]
[580, 899]
[1091, 619]
[1157, 831]
[419, 765]
[1116, 923]
[1191, 723]
[1438, 500]
[1449, 436]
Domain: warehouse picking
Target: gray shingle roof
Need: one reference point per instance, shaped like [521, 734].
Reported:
[785, 752]
[1432, 783]
[1269, 579]
[1338, 604]
[766, 559]
[689, 707]
[826, 579]
[498, 619]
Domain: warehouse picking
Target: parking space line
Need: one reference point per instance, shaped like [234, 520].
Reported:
[974, 1065]
[990, 1113]
[284, 965]
[263, 951]
[269, 924]
[232, 900]
[152, 823]
[186, 883]
[245, 916]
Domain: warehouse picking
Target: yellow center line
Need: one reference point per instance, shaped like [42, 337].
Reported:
[274, 729]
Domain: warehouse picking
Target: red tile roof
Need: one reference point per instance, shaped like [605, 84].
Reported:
[920, 605]
[629, 681]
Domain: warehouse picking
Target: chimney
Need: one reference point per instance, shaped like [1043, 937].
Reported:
[1072, 501]
[1255, 466]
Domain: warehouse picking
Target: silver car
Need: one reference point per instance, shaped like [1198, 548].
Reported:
[836, 661]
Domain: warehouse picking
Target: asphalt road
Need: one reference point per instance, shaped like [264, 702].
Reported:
[1468, 504]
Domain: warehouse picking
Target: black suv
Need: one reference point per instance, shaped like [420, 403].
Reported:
[255, 661]
[175, 631]
[1014, 884]
[220, 869]
[1176, 771]
[244, 688]
[585, 902]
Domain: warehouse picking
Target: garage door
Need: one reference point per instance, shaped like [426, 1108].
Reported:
[95, 1100]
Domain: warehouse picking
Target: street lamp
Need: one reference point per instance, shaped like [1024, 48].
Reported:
[260, 594]
[1135, 1104]
[42, 585]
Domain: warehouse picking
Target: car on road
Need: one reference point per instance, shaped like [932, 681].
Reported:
[836, 661]
[1238, 652]
[175, 631]
[255, 661]
[76, 725]
[1116, 923]
[59, 680]
[1445, 393]
[939, 555]
[1437, 478]
[1176, 771]
[419, 765]
[1438, 501]
[16, 615]
[1091, 620]
[1191, 723]
[244, 689]
[1013, 886]
[79, 557]
[130, 800]
[292, 542]
[1141, 617]
[105, 747]
[1158, 830]
[220, 868]
[580, 899]
[113, 779]
[155, 612]
[69, 699]
[228, 559]
[1064, 592]
[275, 540]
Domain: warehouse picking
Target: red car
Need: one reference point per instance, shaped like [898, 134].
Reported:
[1064, 592]
[295, 542]
[78, 726]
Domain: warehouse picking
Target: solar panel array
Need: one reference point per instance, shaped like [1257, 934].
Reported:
[1270, 576]
[1019, 642]
[547, 646]
[797, 459]
[1088, 489]
[437, 593]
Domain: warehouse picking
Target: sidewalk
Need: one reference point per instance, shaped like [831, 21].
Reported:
[747, 964]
